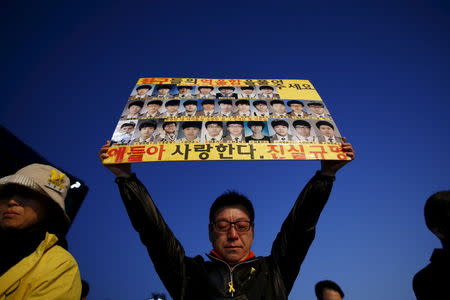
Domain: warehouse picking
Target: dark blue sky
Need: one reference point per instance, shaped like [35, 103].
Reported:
[381, 67]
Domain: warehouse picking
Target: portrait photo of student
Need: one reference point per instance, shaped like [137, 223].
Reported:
[268, 92]
[278, 108]
[317, 109]
[208, 108]
[235, 131]
[168, 132]
[190, 131]
[153, 109]
[172, 108]
[256, 131]
[184, 91]
[297, 109]
[164, 91]
[189, 108]
[133, 110]
[213, 131]
[327, 132]
[280, 131]
[145, 132]
[141, 92]
[243, 108]
[303, 132]
[225, 108]
[260, 108]
[227, 92]
[123, 133]
[205, 92]
[247, 92]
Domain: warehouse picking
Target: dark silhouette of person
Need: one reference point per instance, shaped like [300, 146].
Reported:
[328, 290]
[432, 282]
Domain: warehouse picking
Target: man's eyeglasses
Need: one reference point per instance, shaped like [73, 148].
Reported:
[224, 226]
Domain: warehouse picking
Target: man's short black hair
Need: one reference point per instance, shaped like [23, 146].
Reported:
[301, 123]
[188, 102]
[145, 86]
[164, 86]
[157, 102]
[276, 102]
[184, 87]
[208, 101]
[266, 87]
[148, 124]
[290, 102]
[231, 198]
[195, 124]
[324, 123]
[205, 87]
[226, 87]
[243, 101]
[279, 122]
[172, 103]
[437, 213]
[327, 284]
[137, 103]
[315, 104]
[168, 123]
[256, 123]
[248, 88]
[218, 123]
[259, 102]
[84, 288]
[128, 124]
[226, 101]
[235, 122]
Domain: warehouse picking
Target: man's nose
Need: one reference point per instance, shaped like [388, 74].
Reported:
[232, 233]
[13, 202]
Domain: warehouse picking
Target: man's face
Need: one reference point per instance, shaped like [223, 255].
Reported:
[317, 109]
[190, 108]
[172, 108]
[303, 130]
[266, 91]
[226, 91]
[297, 107]
[127, 129]
[147, 132]
[191, 133]
[279, 108]
[328, 294]
[256, 129]
[247, 91]
[235, 129]
[152, 108]
[205, 91]
[232, 245]
[183, 90]
[170, 128]
[326, 130]
[243, 108]
[261, 107]
[142, 92]
[281, 130]
[224, 107]
[213, 129]
[134, 109]
[208, 107]
[21, 210]
[163, 91]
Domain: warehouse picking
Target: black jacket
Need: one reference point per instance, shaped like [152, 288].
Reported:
[186, 278]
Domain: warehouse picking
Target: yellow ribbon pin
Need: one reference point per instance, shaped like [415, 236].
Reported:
[231, 288]
[56, 178]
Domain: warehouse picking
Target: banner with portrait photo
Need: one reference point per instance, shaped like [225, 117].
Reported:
[193, 119]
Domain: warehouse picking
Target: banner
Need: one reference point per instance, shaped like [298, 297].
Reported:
[192, 119]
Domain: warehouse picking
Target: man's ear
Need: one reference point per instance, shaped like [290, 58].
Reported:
[210, 233]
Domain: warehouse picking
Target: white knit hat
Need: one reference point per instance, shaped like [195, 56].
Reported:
[43, 179]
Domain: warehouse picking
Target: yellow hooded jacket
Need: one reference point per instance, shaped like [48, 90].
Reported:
[50, 272]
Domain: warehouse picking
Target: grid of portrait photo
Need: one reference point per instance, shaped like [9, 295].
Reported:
[170, 113]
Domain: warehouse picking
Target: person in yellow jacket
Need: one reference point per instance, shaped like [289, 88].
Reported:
[33, 223]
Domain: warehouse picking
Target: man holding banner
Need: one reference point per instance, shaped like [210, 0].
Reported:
[234, 271]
